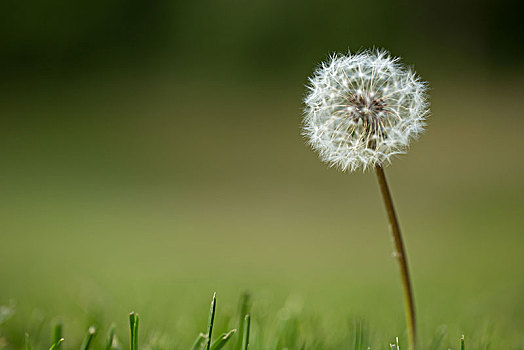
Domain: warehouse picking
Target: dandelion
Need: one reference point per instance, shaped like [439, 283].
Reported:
[362, 110]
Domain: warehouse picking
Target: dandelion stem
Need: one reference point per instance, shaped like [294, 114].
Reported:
[400, 255]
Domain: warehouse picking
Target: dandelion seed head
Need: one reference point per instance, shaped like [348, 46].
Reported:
[363, 108]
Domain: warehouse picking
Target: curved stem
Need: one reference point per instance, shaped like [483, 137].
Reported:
[400, 255]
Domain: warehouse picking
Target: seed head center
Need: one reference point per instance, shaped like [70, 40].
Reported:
[366, 108]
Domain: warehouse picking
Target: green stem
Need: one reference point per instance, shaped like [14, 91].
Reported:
[400, 255]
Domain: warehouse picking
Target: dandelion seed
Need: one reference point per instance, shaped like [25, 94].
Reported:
[362, 109]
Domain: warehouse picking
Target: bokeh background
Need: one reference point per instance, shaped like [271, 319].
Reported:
[151, 154]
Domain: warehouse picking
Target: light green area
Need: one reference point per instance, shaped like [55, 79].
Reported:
[149, 193]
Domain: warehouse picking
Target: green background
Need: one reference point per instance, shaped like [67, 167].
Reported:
[151, 154]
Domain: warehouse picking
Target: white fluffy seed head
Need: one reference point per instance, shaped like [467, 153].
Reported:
[364, 108]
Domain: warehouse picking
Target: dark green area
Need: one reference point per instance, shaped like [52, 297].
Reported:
[151, 154]
[258, 36]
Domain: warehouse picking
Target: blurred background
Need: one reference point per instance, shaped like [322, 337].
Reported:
[151, 154]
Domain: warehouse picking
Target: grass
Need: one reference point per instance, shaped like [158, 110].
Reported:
[114, 197]
[285, 338]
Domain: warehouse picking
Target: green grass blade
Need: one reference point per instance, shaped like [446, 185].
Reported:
[199, 342]
[89, 338]
[462, 345]
[211, 320]
[222, 340]
[133, 325]
[56, 345]
[57, 333]
[110, 338]
[132, 329]
[135, 342]
[395, 346]
[27, 342]
[357, 334]
[243, 310]
[245, 334]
